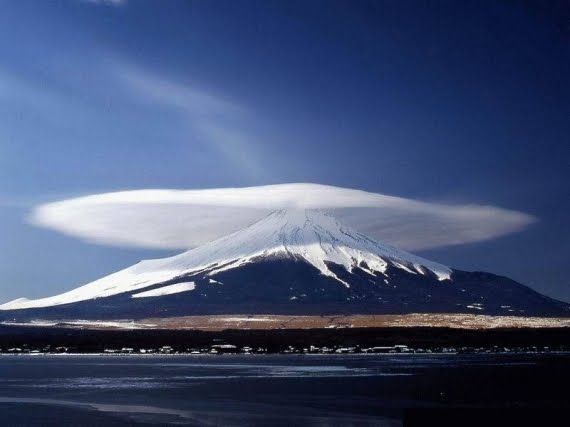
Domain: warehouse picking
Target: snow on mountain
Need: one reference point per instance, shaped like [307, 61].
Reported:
[309, 235]
[167, 290]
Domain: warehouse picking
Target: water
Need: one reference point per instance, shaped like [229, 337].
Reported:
[244, 390]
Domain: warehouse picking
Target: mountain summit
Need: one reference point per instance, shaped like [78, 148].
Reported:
[291, 262]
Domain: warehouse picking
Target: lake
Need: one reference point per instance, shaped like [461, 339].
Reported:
[276, 390]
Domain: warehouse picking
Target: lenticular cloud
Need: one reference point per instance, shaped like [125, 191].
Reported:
[183, 219]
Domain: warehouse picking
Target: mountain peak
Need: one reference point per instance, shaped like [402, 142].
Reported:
[319, 238]
[292, 261]
[313, 236]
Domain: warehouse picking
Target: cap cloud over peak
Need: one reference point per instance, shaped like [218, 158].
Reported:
[182, 219]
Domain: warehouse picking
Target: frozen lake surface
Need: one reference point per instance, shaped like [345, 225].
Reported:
[245, 390]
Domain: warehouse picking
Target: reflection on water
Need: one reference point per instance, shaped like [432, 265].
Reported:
[272, 389]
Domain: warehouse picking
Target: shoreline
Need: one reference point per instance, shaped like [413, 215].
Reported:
[246, 355]
[427, 340]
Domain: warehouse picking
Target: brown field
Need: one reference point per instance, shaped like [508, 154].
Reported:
[266, 322]
[269, 322]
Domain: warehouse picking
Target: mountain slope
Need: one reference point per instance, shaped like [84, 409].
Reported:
[294, 261]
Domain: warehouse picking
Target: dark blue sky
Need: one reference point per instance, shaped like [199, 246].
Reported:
[441, 101]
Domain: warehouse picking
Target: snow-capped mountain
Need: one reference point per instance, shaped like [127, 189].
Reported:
[291, 261]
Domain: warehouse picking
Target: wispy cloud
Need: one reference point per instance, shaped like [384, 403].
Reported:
[213, 118]
[181, 219]
[184, 97]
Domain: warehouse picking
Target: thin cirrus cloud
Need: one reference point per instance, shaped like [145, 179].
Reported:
[183, 219]
[213, 119]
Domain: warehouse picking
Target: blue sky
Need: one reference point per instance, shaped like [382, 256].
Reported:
[455, 102]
